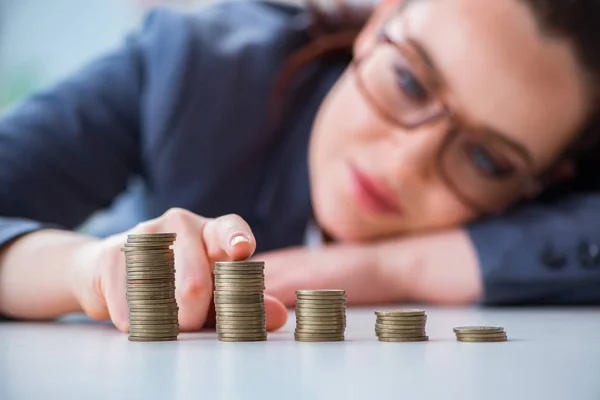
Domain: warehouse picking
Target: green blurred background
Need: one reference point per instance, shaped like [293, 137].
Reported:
[42, 41]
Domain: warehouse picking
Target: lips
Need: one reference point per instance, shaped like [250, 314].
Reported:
[371, 194]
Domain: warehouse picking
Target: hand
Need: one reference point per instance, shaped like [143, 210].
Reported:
[100, 285]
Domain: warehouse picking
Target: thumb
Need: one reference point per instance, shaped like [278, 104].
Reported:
[276, 312]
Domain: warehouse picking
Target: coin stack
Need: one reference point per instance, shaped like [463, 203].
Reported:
[150, 266]
[480, 334]
[320, 315]
[401, 326]
[240, 301]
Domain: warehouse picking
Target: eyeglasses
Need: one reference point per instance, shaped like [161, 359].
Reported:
[486, 170]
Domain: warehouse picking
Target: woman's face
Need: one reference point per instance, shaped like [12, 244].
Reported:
[379, 168]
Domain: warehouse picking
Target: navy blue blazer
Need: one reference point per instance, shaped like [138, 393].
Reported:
[183, 105]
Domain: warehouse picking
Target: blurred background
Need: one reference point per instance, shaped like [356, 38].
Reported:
[42, 41]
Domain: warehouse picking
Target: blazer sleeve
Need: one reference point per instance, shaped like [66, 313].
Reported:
[541, 254]
[71, 149]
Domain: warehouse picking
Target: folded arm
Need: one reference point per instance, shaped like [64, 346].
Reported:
[533, 255]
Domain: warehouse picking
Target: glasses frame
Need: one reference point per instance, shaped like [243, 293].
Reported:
[529, 183]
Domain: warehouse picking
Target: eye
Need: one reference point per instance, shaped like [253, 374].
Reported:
[486, 163]
[410, 85]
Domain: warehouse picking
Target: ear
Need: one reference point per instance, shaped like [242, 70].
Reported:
[368, 35]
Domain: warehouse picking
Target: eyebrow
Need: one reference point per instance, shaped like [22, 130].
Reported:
[515, 145]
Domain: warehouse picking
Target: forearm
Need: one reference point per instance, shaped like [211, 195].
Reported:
[435, 268]
[36, 272]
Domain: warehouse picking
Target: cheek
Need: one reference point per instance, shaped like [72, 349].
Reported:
[343, 123]
[443, 209]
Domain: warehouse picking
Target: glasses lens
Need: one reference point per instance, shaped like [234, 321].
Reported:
[392, 85]
[484, 169]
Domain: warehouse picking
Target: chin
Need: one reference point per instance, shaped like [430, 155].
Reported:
[342, 223]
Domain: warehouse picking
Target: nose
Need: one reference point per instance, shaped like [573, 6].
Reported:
[416, 151]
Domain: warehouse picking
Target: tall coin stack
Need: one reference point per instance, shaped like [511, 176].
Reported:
[150, 265]
[240, 301]
[320, 315]
[401, 326]
[480, 334]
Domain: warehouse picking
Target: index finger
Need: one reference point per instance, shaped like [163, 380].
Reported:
[228, 238]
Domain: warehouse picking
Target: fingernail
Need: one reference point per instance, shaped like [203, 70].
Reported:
[239, 239]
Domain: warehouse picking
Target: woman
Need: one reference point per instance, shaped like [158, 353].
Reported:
[426, 159]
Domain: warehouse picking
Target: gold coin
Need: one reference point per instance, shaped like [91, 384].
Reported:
[136, 315]
[155, 292]
[400, 313]
[320, 321]
[239, 264]
[239, 290]
[149, 282]
[304, 339]
[478, 329]
[242, 339]
[321, 292]
[149, 330]
[393, 320]
[153, 334]
[320, 327]
[236, 323]
[482, 336]
[393, 326]
[400, 335]
[153, 307]
[239, 275]
[238, 279]
[331, 331]
[470, 340]
[239, 316]
[421, 339]
[163, 339]
[319, 314]
[162, 295]
[139, 325]
[321, 307]
[244, 307]
[243, 335]
[160, 302]
[308, 335]
[151, 321]
[246, 331]
[147, 276]
[414, 332]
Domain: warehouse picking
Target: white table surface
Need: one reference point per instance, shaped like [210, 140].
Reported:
[552, 354]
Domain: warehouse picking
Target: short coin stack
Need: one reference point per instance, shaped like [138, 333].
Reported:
[479, 334]
[320, 315]
[240, 301]
[401, 326]
[150, 266]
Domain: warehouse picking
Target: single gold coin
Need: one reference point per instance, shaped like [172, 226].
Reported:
[143, 339]
[242, 336]
[242, 339]
[301, 338]
[138, 325]
[151, 321]
[416, 339]
[471, 340]
[478, 329]
[400, 313]
[321, 292]
[482, 336]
